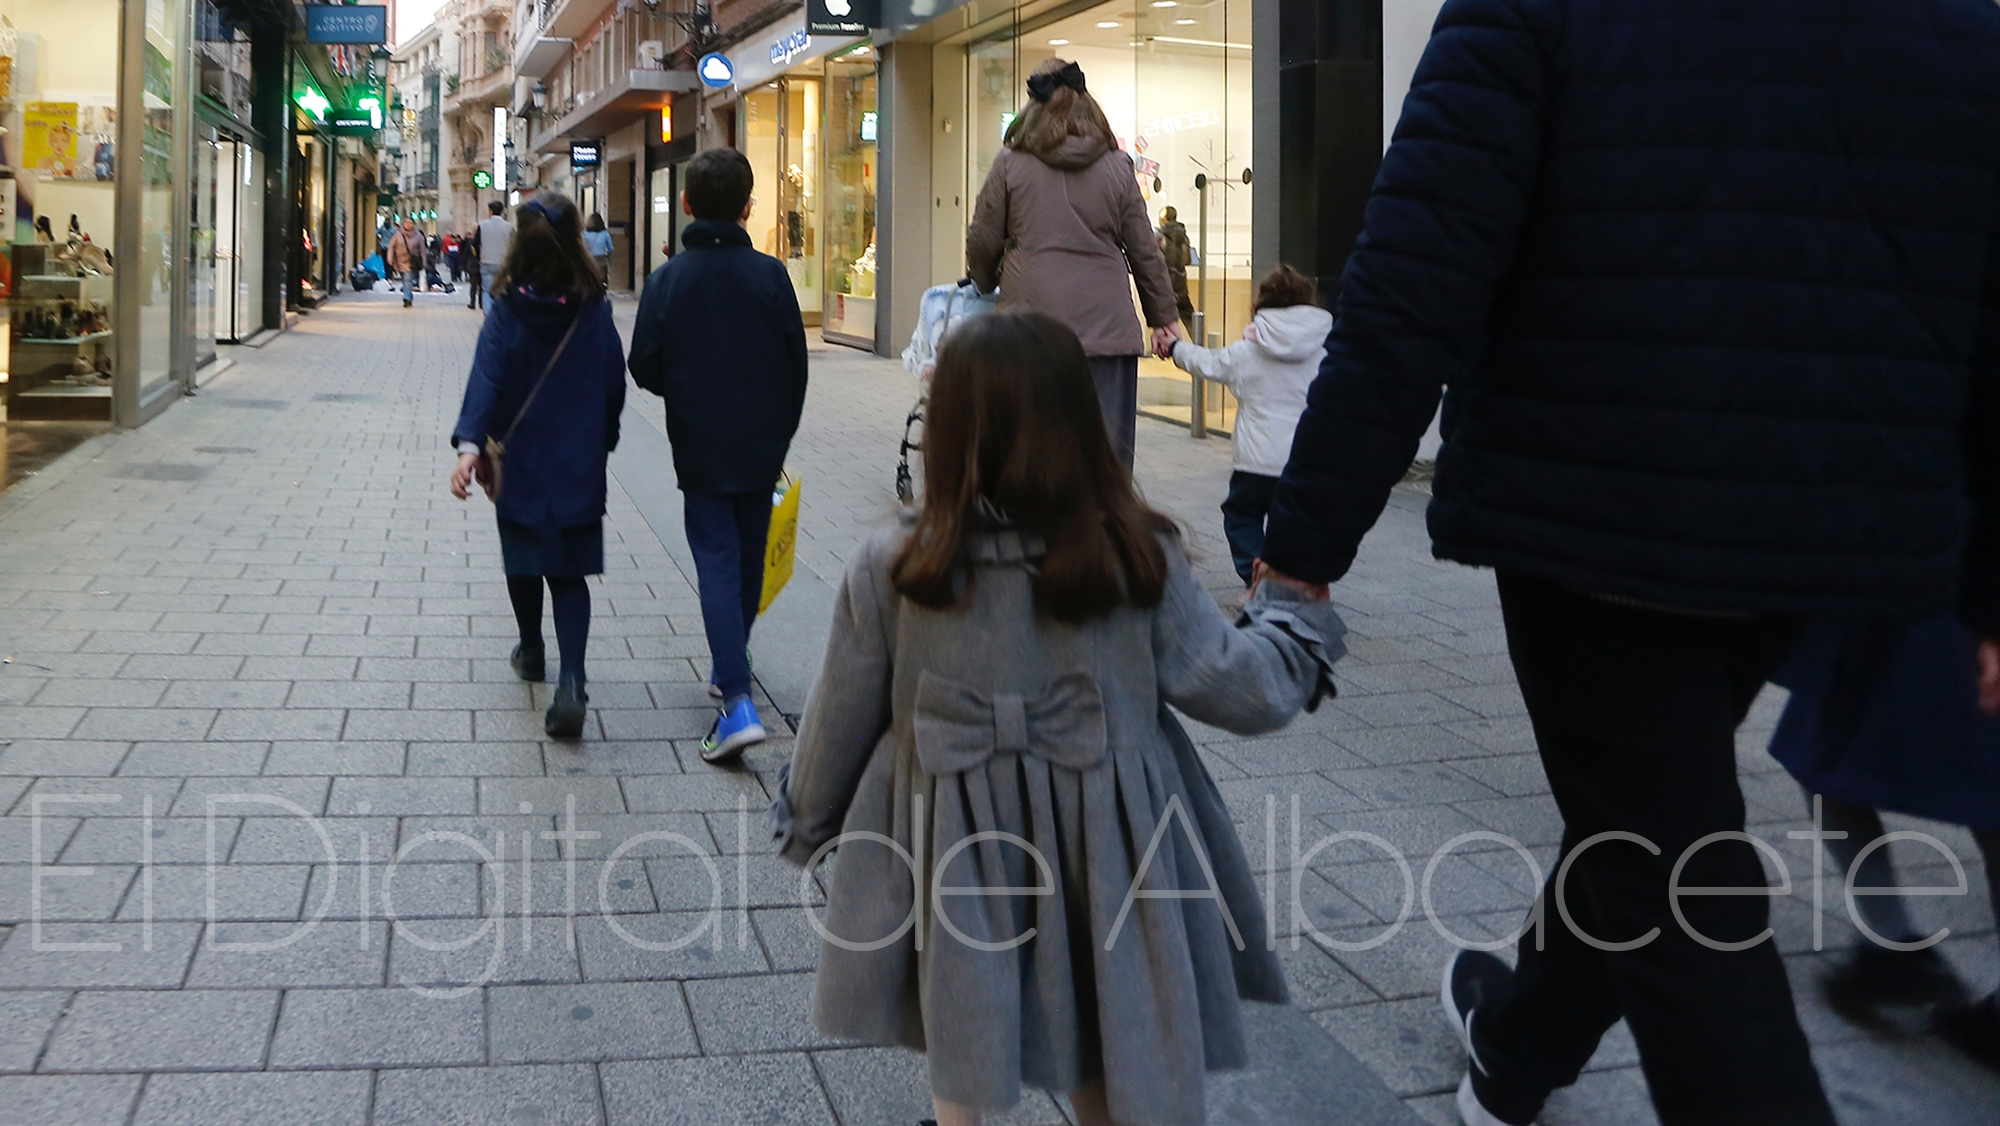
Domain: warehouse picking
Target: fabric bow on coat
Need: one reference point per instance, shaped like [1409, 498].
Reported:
[959, 728]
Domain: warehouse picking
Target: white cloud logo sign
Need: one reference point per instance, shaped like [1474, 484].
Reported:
[716, 70]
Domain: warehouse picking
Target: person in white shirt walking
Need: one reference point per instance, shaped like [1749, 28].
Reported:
[495, 236]
[1270, 369]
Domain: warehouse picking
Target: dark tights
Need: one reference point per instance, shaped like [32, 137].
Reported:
[572, 608]
[1886, 915]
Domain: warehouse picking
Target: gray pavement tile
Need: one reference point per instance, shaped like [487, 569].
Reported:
[754, 1014]
[69, 1100]
[25, 1021]
[68, 757]
[299, 955]
[346, 694]
[315, 1098]
[294, 840]
[133, 840]
[366, 645]
[409, 669]
[546, 1094]
[502, 951]
[712, 789]
[1286, 755]
[242, 892]
[19, 687]
[410, 725]
[614, 758]
[550, 795]
[703, 1092]
[144, 723]
[119, 956]
[164, 1030]
[620, 888]
[186, 668]
[11, 789]
[1406, 1043]
[252, 644]
[667, 947]
[170, 759]
[90, 895]
[518, 724]
[1316, 981]
[1247, 798]
[790, 942]
[519, 758]
[132, 794]
[334, 759]
[1409, 784]
[402, 797]
[891, 1087]
[589, 1023]
[221, 693]
[650, 724]
[252, 796]
[472, 697]
[293, 667]
[1509, 735]
[400, 890]
[1508, 775]
[641, 835]
[337, 1028]
[1531, 819]
[38, 723]
[280, 723]
[104, 694]
[744, 880]
[1397, 709]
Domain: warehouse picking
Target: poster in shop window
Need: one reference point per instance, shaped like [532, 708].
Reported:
[65, 141]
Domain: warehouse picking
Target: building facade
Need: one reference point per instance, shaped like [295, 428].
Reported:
[417, 87]
[479, 81]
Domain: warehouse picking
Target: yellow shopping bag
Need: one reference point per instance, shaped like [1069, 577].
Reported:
[782, 542]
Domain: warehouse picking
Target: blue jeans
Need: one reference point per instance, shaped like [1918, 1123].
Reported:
[409, 281]
[1243, 513]
[726, 534]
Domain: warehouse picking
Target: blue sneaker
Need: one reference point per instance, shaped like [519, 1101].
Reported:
[736, 728]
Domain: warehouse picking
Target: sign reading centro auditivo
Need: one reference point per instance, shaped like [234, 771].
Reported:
[842, 17]
[346, 23]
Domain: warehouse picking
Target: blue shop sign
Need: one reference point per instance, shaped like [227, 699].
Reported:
[716, 70]
[347, 23]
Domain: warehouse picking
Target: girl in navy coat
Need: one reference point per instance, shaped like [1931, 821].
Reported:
[549, 325]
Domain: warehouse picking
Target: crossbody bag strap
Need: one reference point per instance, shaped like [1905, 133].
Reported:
[537, 388]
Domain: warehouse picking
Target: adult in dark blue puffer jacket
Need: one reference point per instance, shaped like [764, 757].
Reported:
[1712, 285]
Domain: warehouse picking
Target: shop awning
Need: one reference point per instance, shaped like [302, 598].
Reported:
[640, 92]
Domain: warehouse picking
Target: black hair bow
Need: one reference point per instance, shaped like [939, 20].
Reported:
[1041, 87]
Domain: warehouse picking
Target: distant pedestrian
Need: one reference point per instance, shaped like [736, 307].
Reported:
[598, 241]
[1703, 384]
[409, 255]
[451, 255]
[494, 236]
[468, 249]
[1060, 227]
[1886, 716]
[1003, 669]
[548, 384]
[1178, 250]
[1269, 369]
[720, 338]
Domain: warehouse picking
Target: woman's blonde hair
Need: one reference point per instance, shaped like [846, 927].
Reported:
[1042, 126]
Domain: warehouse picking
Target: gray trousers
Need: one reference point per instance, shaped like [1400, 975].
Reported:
[1117, 380]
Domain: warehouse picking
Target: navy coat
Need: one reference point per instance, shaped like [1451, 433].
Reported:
[553, 472]
[719, 337]
[1713, 284]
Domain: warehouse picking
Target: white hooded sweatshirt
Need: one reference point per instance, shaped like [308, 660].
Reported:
[1269, 369]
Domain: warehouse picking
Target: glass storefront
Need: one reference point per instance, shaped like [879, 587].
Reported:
[1174, 80]
[810, 136]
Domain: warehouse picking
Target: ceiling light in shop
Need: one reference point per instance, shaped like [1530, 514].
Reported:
[1058, 42]
[1166, 3]
[1184, 23]
[1107, 23]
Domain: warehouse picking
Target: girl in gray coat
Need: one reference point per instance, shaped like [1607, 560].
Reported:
[1039, 883]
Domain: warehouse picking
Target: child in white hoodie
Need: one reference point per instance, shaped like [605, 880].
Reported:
[1269, 369]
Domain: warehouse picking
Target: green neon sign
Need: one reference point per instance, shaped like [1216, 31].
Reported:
[482, 179]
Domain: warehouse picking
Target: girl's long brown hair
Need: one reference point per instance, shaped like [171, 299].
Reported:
[1041, 127]
[1013, 421]
[547, 254]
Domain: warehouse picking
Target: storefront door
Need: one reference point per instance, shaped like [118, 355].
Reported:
[781, 125]
[205, 183]
[849, 213]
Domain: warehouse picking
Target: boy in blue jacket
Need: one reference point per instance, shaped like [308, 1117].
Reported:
[719, 337]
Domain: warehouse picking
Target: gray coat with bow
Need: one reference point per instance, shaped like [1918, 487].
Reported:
[1015, 806]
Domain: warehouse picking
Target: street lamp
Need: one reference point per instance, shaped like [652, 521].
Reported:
[510, 180]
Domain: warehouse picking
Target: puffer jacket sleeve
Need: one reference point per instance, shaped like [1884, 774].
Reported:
[986, 238]
[1250, 677]
[1979, 591]
[846, 716]
[1438, 237]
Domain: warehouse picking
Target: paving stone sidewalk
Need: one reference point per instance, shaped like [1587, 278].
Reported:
[260, 632]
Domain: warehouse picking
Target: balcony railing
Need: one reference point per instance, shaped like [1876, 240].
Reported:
[424, 181]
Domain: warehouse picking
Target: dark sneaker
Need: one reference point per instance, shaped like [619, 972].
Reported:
[529, 664]
[566, 715]
[1872, 977]
[1471, 979]
[736, 728]
[1973, 1027]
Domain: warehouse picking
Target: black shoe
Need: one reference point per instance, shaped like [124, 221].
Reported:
[1474, 979]
[529, 664]
[1875, 976]
[565, 718]
[1973, 1027]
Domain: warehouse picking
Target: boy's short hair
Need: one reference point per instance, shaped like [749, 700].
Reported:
[719, 182]
[495, 207]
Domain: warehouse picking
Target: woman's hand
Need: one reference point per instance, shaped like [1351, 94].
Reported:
[1164, 338]
[461, 475]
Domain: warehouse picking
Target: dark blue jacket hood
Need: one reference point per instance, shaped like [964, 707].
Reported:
[714, 232]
